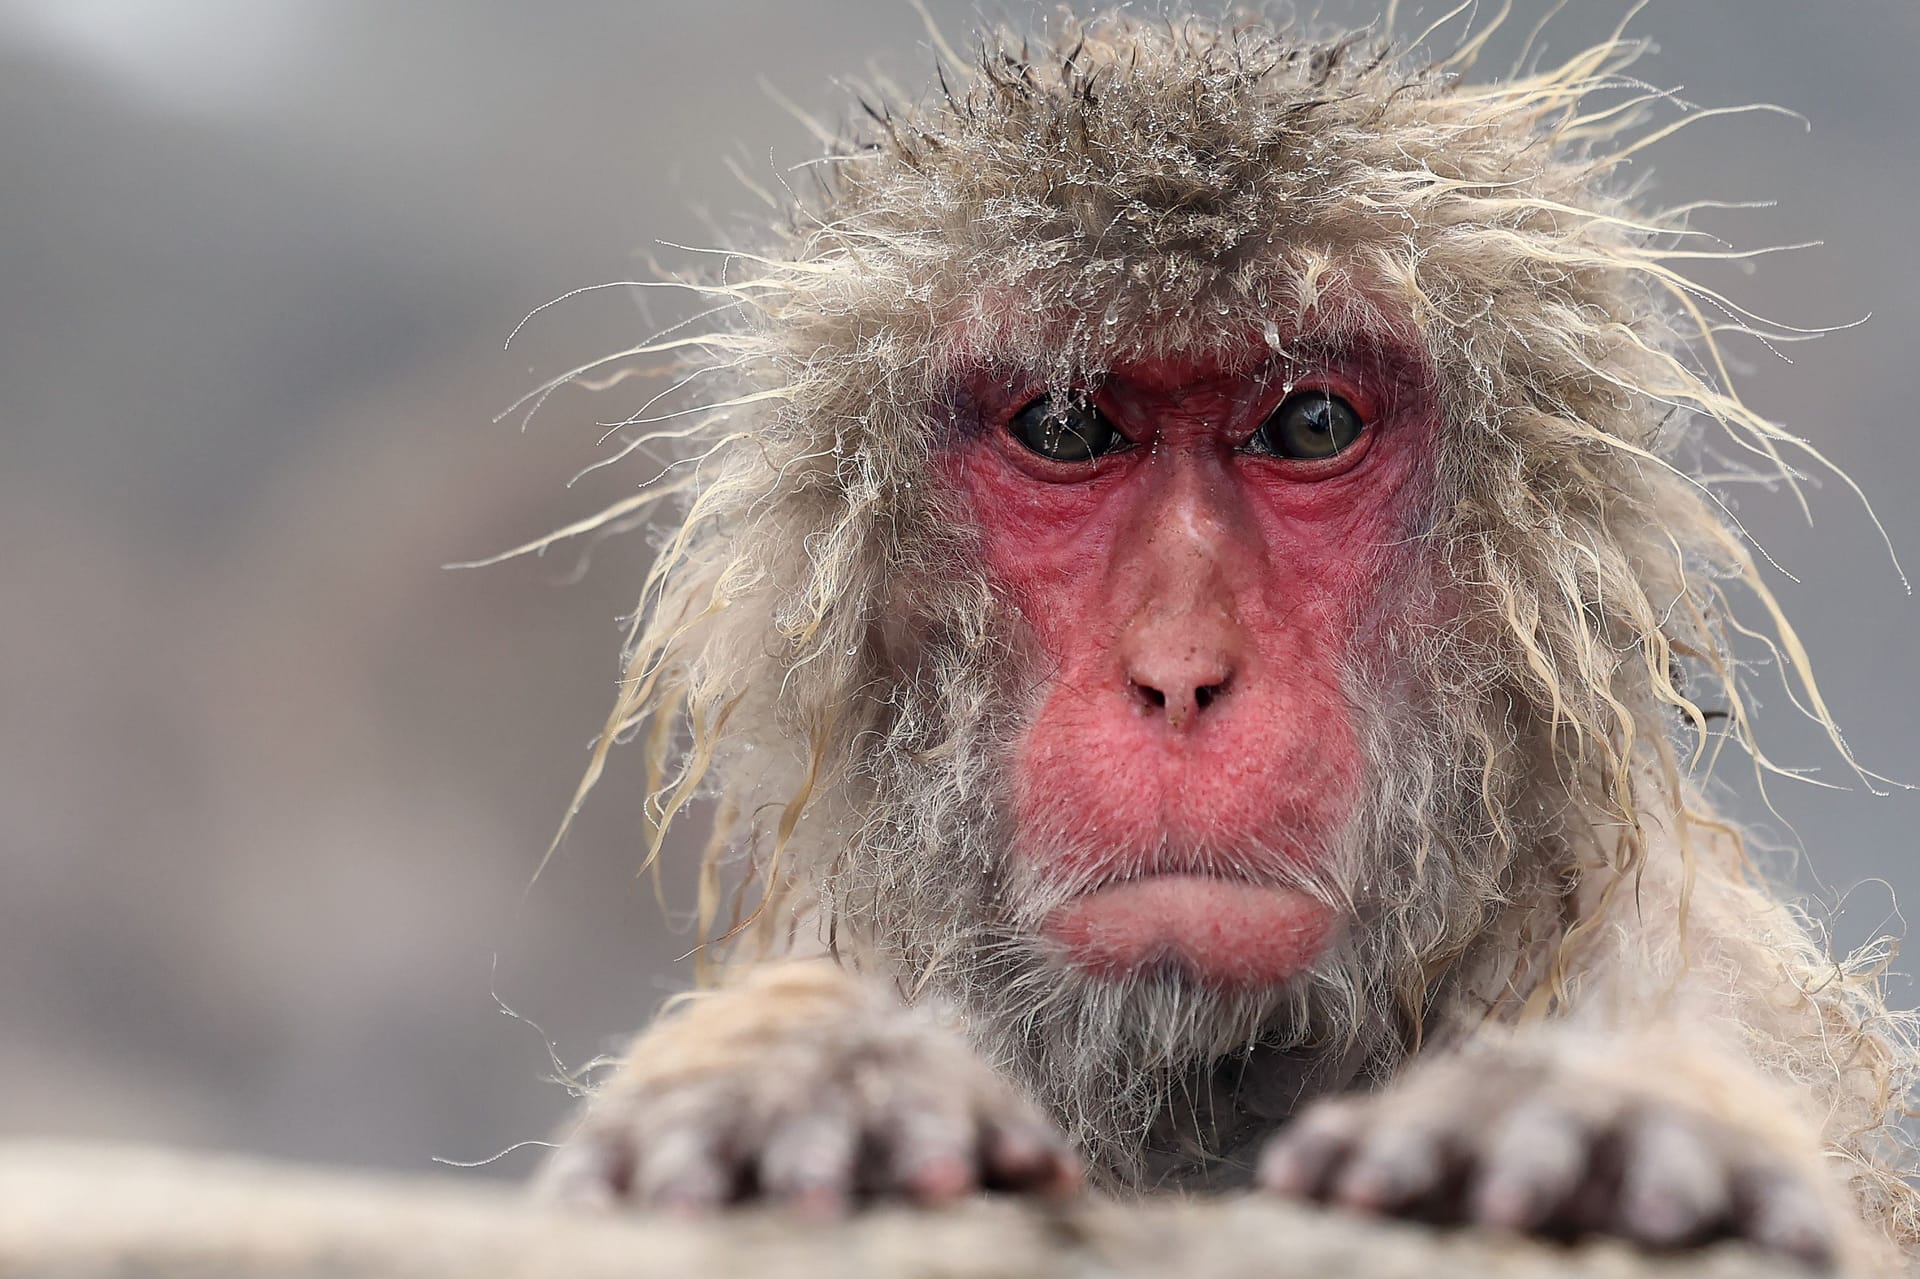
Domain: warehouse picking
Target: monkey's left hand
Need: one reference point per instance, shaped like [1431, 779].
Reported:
[1527, 1145]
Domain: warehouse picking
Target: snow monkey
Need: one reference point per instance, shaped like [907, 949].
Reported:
[1201, 642]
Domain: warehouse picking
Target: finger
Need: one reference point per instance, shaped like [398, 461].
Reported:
[1784, 1214]
[1395, 1166]
[1674, 1187]
[1302, 1161]
[684, 1168]
[592, 1171]
[1022, 1153]
[808, 1161]
[1532, 1162]
[927, 1147]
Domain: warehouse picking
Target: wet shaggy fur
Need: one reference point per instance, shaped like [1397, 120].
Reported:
[815, 647]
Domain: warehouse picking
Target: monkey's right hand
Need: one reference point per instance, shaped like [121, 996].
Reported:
[803, 1086]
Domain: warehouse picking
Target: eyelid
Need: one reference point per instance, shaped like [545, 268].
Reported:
[997, 421]
[1366, 401]
[1083, 396]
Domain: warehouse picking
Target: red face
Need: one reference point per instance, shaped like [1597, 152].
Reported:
[1192, 546]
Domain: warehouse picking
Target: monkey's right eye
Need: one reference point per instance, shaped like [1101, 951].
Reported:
[1066, 431]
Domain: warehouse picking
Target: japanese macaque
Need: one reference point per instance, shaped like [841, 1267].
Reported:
[1194, 620]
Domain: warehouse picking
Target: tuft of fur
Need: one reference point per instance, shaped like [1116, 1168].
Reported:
[814, 645]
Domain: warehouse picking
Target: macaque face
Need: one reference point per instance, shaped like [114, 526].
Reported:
[1193, 545]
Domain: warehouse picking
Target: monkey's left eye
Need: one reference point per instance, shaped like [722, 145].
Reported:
[1066, 430]
[1307, 426]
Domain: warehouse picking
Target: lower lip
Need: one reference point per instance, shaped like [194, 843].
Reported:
[1220, 932]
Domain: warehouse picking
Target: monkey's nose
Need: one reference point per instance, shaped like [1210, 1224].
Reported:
[1178, 690]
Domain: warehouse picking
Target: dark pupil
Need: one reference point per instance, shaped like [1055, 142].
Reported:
[1066, 432]
[1311, 424]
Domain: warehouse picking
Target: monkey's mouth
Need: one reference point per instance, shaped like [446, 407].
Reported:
[1221, 931]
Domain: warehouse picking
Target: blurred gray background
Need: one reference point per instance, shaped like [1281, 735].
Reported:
[273, 785]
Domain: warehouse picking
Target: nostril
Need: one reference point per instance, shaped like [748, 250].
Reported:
[1150, 699]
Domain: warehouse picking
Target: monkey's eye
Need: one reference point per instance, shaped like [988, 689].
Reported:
[1066, 430]
[1307, 426]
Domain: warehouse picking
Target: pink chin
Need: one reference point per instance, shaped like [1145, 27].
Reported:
[1220, 932]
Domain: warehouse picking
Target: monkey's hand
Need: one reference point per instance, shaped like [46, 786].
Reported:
[803, 1086]
[1549, 1145]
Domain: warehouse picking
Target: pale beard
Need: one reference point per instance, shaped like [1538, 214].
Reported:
[934, 893]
